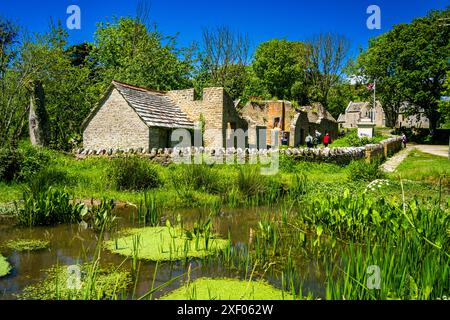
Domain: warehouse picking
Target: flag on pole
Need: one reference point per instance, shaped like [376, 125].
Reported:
[371, 86]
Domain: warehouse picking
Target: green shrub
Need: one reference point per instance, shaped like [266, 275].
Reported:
[361, 170]
[23, 163]
[196, 177]
[49, 177]
[10, 160]
[133, 173]
[49, 207]
[33, 160]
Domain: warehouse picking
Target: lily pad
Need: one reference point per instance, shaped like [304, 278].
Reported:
[4, 266]
[164, 244]
[227, 289]
[27, 244]
[79, 283]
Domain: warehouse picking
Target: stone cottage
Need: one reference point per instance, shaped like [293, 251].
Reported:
[356, 111]
[266, 117]
[134, 117]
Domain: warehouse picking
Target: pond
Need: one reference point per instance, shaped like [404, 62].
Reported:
[73, 244]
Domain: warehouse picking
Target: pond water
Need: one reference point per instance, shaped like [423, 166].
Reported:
[71, 244]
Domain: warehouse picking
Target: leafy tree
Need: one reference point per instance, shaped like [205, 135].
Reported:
[280, 65]
[410, 63]
[13, 85]
[127, 51]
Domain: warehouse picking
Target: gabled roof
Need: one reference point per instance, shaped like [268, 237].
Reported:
[341, 118]
[355, 106]
[317, 112]
[155, 108]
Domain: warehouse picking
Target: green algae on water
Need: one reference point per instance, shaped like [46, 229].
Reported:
[62, 283]
[27, 244]
[164, 244]
[227, 289]
[5, 267]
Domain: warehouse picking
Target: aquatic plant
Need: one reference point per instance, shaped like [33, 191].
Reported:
[227, 289]
[165, 243]
[149, 210]
[100, 217]
[106, 282]
[4, 266]
[49, 207]
[27, 244]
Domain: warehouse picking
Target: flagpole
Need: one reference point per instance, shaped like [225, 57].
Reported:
[374, 103]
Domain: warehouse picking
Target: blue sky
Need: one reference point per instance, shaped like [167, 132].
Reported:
[261, 20]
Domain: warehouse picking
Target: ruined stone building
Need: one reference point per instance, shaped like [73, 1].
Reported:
[133, 117]
[265, 117]
[418, 120]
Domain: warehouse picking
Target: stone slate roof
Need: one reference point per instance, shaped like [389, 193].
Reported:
[341, 118]
[154, 107]
[355, 106]
[317, 112]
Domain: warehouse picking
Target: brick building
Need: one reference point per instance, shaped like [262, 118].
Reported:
[134, 117]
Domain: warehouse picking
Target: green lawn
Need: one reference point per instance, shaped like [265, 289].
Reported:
[419, 166]
[88, 179]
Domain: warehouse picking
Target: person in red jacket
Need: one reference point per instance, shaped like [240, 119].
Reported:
[326, 140]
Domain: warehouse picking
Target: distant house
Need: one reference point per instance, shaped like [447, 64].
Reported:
[133, 117]
[418, 120]
[355, 111]
[266, 117]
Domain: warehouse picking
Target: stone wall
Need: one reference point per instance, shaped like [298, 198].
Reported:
[340, 155]
[107, 128]
[217, 110]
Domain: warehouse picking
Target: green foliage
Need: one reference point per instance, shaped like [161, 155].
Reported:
[165, 244]
[227, 289]
[410, 64]
[4, 266]
[33, 160]
[351, 139]
[129, 52]
[133, 173]
[22, 164]
[188, 177]
[49, 207]
[361, 170]
[280, 64]
[100, 217]
[9, 164]
[27, 244]
[149, 210]
[96, 283]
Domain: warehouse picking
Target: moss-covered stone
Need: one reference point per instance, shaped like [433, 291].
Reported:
[27, 244]
[164, 244]
[94, 284]
[4, 266]
[227, 289]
